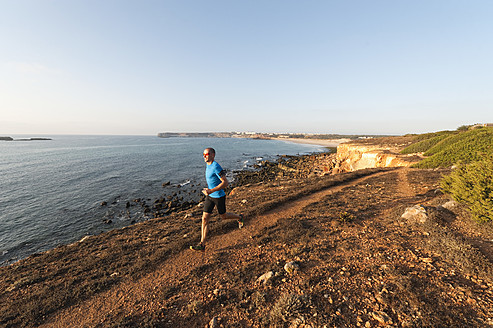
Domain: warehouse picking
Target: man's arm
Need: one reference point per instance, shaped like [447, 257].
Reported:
[223, 185]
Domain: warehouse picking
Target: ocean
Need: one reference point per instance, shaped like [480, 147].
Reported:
[51, 191]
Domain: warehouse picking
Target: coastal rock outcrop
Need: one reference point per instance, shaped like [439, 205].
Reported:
[363, 154]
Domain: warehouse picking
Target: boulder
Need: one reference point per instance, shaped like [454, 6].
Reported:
[265, 278]
[382, 317]
[415, 214]
[450, 205]
[291, 267]
[214, 323]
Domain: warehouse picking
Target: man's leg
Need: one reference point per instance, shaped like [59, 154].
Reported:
[237, 217]
[205, 226]
[221, 207]
[226, 216]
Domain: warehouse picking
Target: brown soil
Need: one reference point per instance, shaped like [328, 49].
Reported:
[360, 263]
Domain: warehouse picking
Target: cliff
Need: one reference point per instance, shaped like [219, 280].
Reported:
[373, 153]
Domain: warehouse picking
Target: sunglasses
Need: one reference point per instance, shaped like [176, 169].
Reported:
[206, 154]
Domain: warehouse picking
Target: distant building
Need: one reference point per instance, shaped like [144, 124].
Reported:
[481, 125]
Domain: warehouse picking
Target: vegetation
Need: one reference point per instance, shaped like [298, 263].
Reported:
[472, 184]
[426, 141]
[471, 150]
[466, 147]
[346, 217]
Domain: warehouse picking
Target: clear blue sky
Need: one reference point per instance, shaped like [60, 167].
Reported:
[143, 67]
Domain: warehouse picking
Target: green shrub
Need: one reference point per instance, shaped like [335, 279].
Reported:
[430, 135]
[472, 184]
[346, 217]
[464, 127]
[465, 147]
[477, 139]
[288, 307]
[425, 144]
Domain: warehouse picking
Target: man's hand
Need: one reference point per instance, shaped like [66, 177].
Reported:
[206, 191]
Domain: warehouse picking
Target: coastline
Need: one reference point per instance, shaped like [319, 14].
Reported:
[126, 203]
[146, 273]
[329, 143]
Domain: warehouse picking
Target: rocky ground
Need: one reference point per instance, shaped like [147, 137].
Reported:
[317, 250]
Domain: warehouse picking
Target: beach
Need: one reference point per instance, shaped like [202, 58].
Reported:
[330, 143]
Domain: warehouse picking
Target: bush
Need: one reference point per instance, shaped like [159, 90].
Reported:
[346, 217]
[472, 184]
[430, 135]
[464, 127]
[465, 147]
[288, 307]
[425, 144]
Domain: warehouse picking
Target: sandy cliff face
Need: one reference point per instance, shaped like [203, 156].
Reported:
[357, 156]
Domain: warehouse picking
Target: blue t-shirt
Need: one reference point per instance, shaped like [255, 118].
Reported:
[213, 179]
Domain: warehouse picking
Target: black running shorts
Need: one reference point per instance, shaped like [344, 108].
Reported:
[211, 202]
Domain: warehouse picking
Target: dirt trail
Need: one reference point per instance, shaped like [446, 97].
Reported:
[403, 183]
[136, 296]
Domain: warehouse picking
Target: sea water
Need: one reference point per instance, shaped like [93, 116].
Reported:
[51, 191]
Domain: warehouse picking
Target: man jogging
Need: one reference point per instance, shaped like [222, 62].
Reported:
[215, 196]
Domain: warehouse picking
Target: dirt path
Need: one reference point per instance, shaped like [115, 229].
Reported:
[139, 296]
[404, 188]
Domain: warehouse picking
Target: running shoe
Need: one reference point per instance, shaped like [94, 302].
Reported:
[241, 222]
[198, 247]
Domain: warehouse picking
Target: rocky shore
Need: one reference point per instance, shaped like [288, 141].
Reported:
[369, 248]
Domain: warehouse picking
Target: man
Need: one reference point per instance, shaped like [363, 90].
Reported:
[215, 196]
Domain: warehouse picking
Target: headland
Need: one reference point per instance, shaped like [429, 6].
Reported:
[23, 139]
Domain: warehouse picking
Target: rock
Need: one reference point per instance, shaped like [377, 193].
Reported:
[450, 205]
[265, 278]
[104, 203]
[291, 267]
[415, 214]
[84, 239]
[214, 323]
[353, 156]
[167, 183]
[426, 259]
[382, 317]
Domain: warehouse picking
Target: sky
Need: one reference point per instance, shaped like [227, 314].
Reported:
[142, 67]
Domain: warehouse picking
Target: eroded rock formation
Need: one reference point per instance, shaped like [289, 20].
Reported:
[362, 154]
